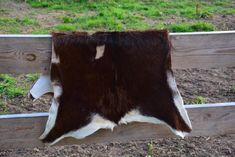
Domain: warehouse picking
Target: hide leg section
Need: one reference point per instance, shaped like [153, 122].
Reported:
[67, 119]
[177, 99]
[167, 106]
[51, 118]
[97, 122]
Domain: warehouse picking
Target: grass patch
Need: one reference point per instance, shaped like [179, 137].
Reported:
[155, 9]
[27, 21]
[230, 11]
[65, 27]
[191, 27]
[9, 25]
[9, 87]
[130, 14]
[150, 149]
[187, 27]
[118, 15]
[199, 100]
[232, 89]
[32, 77]
[14, 25]
[68, 19]
[41, 31]
[102, 20]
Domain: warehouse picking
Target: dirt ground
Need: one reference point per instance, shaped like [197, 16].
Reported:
[215, 85]
[197, 146]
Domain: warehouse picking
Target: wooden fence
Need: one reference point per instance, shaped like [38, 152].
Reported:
[31, 53]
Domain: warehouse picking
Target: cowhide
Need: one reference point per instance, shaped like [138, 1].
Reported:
[110, 78]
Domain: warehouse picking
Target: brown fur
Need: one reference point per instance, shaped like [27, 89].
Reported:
[131, 74]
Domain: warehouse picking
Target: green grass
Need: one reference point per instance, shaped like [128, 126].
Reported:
[130, 14]
[14, 25]
[9, 87]
[191, 27]
[32, 77]
[41, 31]
[155, 8]
[150, 149]
[9, 25]
[187, 27]
[232, 89]
[230, 11]
[118, 15]
[199, 100]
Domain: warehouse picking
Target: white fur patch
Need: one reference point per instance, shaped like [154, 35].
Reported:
[179, 133]
[54, 59]
[41, 87]
[136, 116]
[99, 51]
[178, 101]
[51, 118]
[91, 32]
[96, 123]
[57, 91]
[52, 111]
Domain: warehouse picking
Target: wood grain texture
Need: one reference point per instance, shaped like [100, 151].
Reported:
[24, 54]
[212, 120]
[203, 50]
[31, 53]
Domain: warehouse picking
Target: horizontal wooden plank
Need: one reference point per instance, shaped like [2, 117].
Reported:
[24, 54]
[203, 50]
[23, 130]
[31, 53]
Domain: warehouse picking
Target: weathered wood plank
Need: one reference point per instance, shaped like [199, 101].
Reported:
[202, 50]
[31, 53]
[24, 54]
[23, 130]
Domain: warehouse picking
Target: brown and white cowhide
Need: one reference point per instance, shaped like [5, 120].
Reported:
[110, 78]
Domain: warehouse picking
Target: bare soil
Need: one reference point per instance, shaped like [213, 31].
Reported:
[215, 85]
[196, 146]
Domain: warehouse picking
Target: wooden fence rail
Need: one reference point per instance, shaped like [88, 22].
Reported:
[23, 130]
[31, 53]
